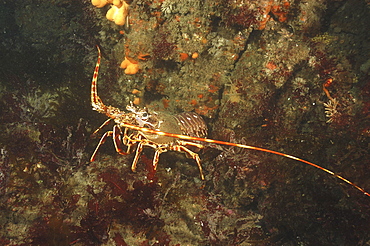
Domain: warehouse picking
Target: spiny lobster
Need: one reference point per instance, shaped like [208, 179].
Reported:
[164, 132]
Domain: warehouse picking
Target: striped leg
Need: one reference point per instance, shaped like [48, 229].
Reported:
[102, 125]
[101, 142]
[192, 154]
[117, 140]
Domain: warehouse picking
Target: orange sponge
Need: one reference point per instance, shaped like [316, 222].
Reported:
[131, 66]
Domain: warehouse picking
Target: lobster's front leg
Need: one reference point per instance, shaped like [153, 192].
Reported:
[101, 142]
[118, 141]
[102, 125]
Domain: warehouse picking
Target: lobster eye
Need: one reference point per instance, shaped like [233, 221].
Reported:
[145, 115]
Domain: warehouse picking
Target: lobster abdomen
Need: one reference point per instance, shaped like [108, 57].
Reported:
[192, 124]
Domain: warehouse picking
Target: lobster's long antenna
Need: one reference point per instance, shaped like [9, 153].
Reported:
[96, 102]
[147, 130]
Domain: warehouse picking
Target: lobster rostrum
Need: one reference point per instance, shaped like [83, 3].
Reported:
[140, 127]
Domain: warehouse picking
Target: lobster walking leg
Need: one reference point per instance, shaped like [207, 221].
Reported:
[101, 142]
[139, 149]
[193, 155]
[117, 140]
[102, 125]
